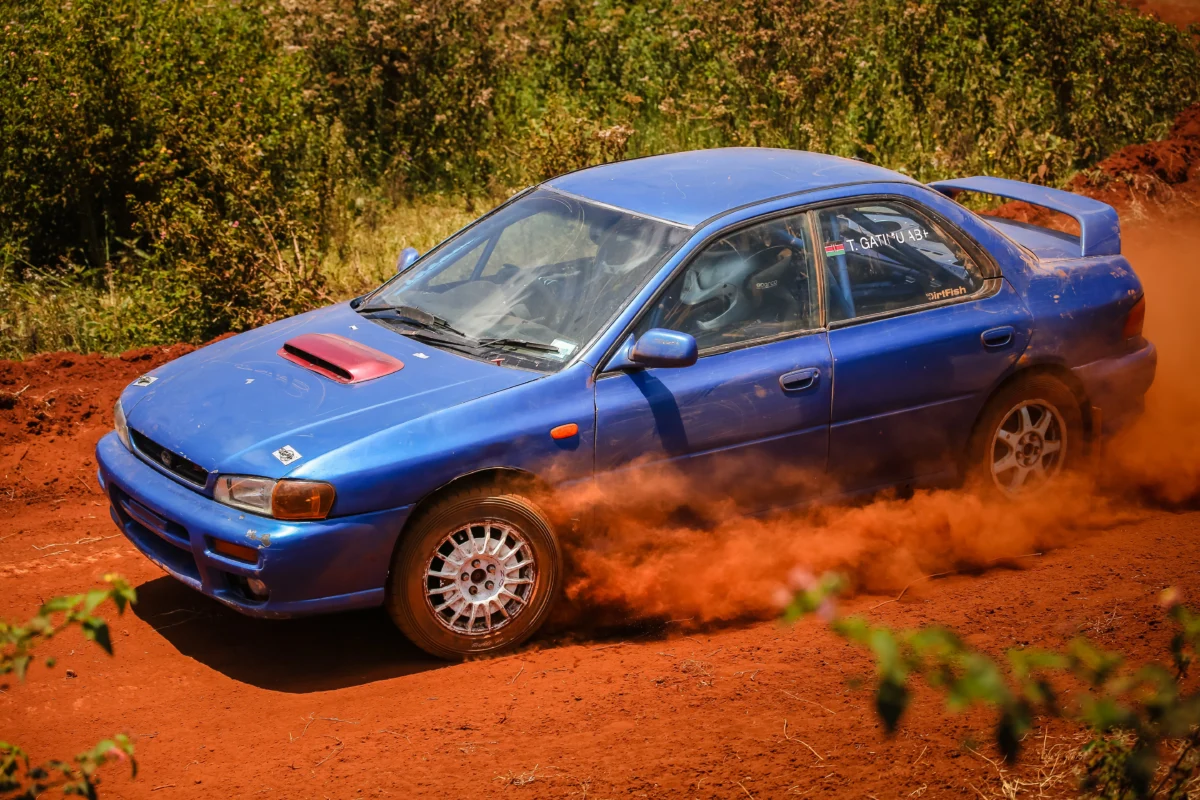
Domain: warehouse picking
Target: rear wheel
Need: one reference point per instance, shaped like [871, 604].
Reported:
[476, 573]
[1030, 432]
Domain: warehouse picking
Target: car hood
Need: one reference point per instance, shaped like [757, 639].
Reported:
[232, 406]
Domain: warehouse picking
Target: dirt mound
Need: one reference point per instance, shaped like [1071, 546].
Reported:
[1167, 171]
[56, 393]
[1180, 13]
[1159, 178]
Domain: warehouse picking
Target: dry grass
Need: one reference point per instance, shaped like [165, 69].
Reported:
[368, 256]
[1048, 770]
[51, 312]
[518, 778]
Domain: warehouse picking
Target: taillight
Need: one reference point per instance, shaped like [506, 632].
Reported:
[1136, 319]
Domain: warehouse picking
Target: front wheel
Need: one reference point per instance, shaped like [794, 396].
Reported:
[475, 574]
[1029, 433]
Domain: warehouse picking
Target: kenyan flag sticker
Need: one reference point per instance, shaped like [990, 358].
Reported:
[835, 249]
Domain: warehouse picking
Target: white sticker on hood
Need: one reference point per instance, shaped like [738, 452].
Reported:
[145, 380]
[287, 454]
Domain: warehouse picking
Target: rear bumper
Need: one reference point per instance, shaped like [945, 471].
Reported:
[1118, 385]
[309, 567]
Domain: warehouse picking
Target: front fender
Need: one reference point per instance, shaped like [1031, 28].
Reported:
[506, 430]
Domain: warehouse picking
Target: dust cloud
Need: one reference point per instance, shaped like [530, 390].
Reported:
[1158, 457]
[650, 561]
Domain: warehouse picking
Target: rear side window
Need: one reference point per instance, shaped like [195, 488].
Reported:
[882, 257]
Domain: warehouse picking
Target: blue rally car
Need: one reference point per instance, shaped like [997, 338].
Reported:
[787, 313]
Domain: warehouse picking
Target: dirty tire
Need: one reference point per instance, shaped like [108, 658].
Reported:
[512, 526]
[986, 451]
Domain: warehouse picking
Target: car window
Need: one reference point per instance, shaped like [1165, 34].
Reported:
[462, 268]
[556, 235]
[751, 284]
[881, 257]
[536, 280]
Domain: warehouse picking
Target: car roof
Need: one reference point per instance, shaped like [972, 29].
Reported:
[690, 187]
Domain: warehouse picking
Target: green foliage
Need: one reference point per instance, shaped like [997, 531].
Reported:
[194, 167]
[166, 144]
[18, 779]
[18, 641]
[459, 94]
[1136, 715]
[76, 777]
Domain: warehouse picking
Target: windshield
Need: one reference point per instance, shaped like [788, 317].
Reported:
[534, 281]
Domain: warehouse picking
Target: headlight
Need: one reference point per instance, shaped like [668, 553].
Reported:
[121, 425]
[282, 499]
[244, 492]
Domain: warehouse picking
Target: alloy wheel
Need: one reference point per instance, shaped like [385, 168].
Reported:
[480, 577]
[1028, 447]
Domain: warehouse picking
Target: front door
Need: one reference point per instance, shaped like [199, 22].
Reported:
[750, 420]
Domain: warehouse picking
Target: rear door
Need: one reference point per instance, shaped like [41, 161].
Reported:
[921, 327]
[750, 420]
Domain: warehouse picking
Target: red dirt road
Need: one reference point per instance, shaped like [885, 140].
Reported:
[342, 707]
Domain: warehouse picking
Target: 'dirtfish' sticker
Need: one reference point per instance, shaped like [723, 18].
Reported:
[287, 454]
[145, 380]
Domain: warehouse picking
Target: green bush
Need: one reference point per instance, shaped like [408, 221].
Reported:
[451, 93]
[1144, 721]
[19, 779]
[200, 163]
[162, 143]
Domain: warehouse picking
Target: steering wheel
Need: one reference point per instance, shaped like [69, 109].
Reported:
[686, 318]
[537, 295]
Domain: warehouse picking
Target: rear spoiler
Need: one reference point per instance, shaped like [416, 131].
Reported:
[1099, 227]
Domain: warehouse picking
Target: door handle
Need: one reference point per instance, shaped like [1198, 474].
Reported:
[997, 338]
[799, 380]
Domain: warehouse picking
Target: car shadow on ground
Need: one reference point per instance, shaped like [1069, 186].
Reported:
[309, 654]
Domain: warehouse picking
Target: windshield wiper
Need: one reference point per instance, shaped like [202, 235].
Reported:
[468, 346]
[422, 319]
[537, 347]
[418, 317]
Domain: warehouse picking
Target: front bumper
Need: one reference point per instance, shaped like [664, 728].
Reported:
[1118, 386]
[309, 567]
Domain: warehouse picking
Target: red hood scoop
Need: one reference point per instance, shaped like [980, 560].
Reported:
[338, 358]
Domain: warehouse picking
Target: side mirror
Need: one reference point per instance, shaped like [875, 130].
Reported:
[657, 347]
[407, 256]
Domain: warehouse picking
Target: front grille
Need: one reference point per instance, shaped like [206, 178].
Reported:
[164, 540]
[168, 529]
[172, 462]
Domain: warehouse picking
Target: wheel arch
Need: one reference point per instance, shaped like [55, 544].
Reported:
[489, 484]
[509, 477]
[1053, 369]
[506, 477]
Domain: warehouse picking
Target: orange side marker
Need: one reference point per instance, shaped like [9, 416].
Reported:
[238, 552]
[564, 431]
